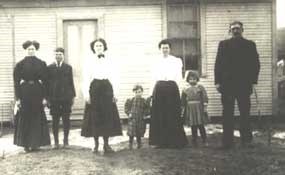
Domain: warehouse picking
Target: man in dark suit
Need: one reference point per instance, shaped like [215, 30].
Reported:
[236, 74]
[61, 93]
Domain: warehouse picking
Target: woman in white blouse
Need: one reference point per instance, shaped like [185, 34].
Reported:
[101, 117]
[166, 126]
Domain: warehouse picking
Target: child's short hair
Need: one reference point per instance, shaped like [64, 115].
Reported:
[193, 74]
[137, 87]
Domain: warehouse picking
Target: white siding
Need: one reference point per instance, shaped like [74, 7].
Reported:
[39, 25]
[6, 66]
[132, 33]
[257, 19]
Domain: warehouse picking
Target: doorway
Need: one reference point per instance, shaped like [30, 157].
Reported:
[77, 36]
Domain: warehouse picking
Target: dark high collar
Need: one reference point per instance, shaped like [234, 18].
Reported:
[237, 38]
[30, 57]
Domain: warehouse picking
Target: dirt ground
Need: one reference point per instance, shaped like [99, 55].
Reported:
[260, 159]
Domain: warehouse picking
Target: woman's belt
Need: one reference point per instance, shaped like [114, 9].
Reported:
[30, 81]
[194, 102]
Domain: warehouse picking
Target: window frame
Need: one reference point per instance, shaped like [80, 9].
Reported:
[202, 62]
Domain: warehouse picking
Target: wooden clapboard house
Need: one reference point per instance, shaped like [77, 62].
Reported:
[133, 29]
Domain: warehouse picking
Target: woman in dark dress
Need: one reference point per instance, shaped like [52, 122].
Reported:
[166, 126]
[101, 117]
[30, 75]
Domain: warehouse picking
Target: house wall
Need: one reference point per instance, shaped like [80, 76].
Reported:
[132, 31]
[257, 20]
[281, 43]
[6, 67]
[74, 3]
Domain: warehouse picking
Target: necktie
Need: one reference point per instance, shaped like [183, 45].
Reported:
[58, 65]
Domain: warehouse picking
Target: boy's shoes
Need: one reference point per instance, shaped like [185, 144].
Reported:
[34, 149]
[247, 145]
[95, 150]
[226, 147]
[205, 143]
[130, 146]
[108, 149]
[27, 149]
[65, 144]
[139, 145]
[56, 146]
[194, 143]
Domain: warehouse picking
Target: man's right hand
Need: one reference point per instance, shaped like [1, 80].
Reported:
[218, 87]
[88, 101]
[18, 103]
[149, 101]
[280, 63]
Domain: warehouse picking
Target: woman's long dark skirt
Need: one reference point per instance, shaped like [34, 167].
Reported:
[31, 129]
[166, 125]
[101, 117]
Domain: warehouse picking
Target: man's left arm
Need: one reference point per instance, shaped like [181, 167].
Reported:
[255, 64]
[71, 83]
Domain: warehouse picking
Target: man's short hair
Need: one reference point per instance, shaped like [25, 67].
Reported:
[236, 22]
[59, 49]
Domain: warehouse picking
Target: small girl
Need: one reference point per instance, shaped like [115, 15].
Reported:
[136, 108]
[194, 107]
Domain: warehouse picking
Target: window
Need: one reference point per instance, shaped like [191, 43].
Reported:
[183, 30]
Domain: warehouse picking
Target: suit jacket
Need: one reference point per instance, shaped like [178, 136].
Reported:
[60, 83]
[237, 66]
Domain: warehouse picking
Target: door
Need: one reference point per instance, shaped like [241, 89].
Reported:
[77, 37]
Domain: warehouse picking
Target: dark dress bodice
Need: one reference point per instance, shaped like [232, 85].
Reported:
[30, 70]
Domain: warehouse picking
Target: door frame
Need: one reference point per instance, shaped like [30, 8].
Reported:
[73, 59]
[63, 17]
[60, 18]
[65, 26]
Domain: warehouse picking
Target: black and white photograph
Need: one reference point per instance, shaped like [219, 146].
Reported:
[142, 87]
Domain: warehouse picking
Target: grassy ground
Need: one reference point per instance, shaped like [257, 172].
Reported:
[78, 159]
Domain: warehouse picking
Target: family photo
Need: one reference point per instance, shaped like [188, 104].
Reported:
[142, 87]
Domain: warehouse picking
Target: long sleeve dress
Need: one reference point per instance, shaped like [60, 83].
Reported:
[193, 100]
[166, 126]
[101, 116]
[30, 78]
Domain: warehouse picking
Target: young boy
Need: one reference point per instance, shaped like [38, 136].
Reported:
[61, 93]
[136, 108]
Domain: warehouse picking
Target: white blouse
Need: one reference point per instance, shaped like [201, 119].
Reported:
[99, 68]
[166, 69]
